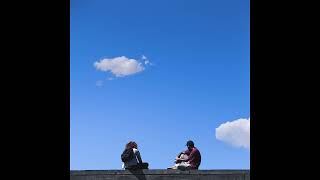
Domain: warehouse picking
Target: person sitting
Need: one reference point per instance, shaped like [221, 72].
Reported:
[131, 157]
[189, 159]
[178, 163]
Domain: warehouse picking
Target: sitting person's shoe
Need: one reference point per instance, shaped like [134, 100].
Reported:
[173, 167]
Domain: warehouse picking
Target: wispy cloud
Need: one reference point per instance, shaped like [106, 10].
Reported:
[144, 57]
[99, 83]
[119, 66]
[236, 133]
[146, 60]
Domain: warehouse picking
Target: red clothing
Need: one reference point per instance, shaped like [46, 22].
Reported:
[194, 157]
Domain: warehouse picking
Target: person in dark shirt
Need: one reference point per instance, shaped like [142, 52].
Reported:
[193, 159]
[136, 161]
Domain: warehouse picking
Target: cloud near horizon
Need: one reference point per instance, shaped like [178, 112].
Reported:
[236, 133]
[119, 66]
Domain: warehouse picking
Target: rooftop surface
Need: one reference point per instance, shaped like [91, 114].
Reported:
[158, 174]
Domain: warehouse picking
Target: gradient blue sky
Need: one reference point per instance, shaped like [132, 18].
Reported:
[199, 79]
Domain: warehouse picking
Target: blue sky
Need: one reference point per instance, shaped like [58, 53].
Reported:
[198, 79]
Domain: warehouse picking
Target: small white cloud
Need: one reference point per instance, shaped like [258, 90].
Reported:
[110, 78]
[236, 133]
[146, 60]
[144, 57]
[99, 83]
[119, 66]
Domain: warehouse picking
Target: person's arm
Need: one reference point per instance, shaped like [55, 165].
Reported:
[187, 152]
[177, 160]
[137, 153]
[178, 156]
[190, 156]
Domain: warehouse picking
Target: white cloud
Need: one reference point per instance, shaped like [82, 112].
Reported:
[236, 133]
[110, 78]
[146, 60]
[144, 57]
[119, 66]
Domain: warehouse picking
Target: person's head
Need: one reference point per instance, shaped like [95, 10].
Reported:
[190, 144]
[135, 145]
[131, 145]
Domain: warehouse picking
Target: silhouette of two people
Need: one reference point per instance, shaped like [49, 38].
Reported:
[185, 160]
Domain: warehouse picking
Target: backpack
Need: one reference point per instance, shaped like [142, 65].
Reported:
[127, 155]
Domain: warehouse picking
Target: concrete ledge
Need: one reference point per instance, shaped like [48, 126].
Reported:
[160, 175]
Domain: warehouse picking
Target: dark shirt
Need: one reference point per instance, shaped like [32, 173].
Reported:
[194, 157]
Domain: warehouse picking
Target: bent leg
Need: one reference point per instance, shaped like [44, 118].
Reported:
[144, 165]
[184, 166]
